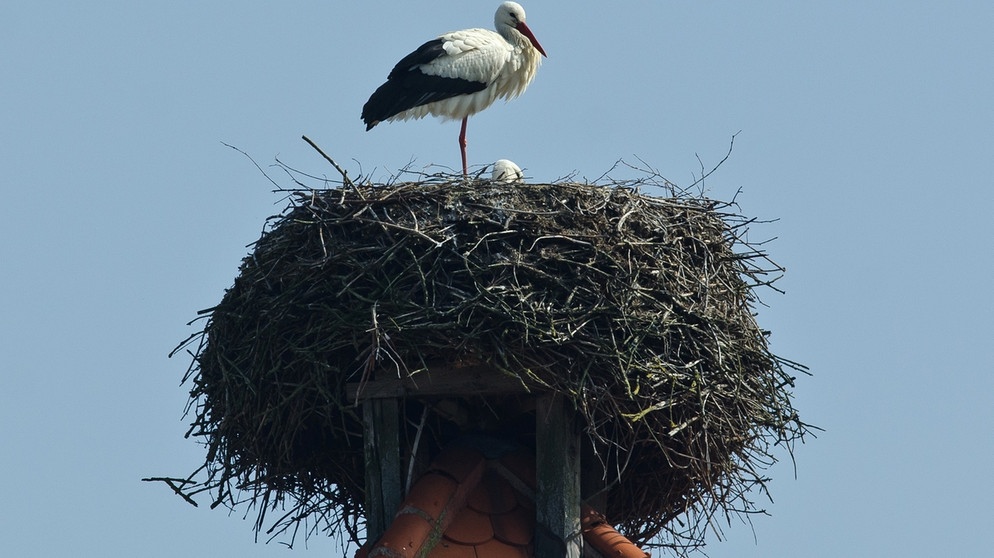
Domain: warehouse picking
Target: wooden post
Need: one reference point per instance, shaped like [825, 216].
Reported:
[381, 439]
[557, 464]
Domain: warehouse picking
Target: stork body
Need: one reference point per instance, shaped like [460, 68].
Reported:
[459, 74]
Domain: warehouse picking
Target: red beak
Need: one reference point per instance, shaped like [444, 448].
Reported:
[524, 30]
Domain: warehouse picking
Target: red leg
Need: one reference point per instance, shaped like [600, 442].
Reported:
[462, 146]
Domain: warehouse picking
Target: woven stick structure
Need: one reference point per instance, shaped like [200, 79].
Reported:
[639, 310]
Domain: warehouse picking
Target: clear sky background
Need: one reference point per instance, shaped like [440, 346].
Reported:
[867, 129]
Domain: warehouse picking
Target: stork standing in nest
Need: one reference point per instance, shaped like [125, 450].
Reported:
[459, 74]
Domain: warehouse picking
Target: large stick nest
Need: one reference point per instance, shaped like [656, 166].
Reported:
[638, 309]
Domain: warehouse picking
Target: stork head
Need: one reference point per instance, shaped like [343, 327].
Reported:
[506, 171]
[510, 15]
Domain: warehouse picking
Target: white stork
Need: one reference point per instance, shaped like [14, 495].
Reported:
[459, 74]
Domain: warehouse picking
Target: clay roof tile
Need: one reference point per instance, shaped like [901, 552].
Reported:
[604, 538]
[497, 549]
[449, 549]
[480, 506]
[470, 527]
[493, 495]
[404, 537]
[431, 494]
[516, 527]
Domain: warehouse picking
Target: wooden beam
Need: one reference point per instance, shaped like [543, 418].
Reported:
[381, 448]
[557, 464]
[477, 379]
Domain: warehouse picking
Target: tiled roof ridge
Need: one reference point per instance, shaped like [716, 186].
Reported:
[469, 469]
[415, 530]
[604, 538]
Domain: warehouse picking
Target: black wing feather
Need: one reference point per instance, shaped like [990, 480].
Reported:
[408, 87]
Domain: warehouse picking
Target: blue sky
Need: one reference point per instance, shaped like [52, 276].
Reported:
[866, 130]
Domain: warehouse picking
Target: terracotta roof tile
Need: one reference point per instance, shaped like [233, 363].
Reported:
[605, 539]
[449, 549]
[482, 510]
[493, 495]
[496, 549]
[516, 527]
[612, 544]
[526, 501]
[431, 494]
[404, 537]
[470, 527]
